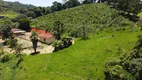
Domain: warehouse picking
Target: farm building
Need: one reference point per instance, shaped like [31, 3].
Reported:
[18, 31]
[44, 36]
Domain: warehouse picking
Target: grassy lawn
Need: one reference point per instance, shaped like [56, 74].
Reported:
[83, 60]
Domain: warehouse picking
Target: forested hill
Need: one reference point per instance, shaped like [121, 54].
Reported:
[95, 16]
[14, 6]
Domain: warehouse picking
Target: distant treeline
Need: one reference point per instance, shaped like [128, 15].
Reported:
[130, 6]
[33, 11]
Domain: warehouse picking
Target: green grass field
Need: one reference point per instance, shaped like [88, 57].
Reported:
[9, 14]
[82, 61]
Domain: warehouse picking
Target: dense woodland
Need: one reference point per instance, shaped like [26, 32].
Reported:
[109, 20]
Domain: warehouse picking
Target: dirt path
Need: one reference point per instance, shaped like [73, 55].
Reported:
[27, 45]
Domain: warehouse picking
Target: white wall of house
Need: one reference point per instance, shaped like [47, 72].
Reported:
[47, 40]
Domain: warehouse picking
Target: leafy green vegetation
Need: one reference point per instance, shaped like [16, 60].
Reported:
[14, 6]
[111, 35]
[95, 16]
[9, 14]
[129, 6]
[128, 66]
[83, 60]
[23, 22]
[34, 39]
[5, 21]
[140, 15]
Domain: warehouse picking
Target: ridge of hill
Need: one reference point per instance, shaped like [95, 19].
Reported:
[14, 6]
[97, 16]
[86, 59]
[12, 9]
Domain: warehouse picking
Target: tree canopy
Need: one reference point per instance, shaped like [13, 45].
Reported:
[130, 6]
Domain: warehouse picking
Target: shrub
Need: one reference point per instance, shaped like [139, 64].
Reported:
[18, 48]
[61, 44]
[55, 45]
[2, 52]
[12, 42]
[128, 66]
[5, 58]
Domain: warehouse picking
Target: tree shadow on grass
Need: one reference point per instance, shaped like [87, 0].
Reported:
[133, 18]
[35, 53]
[85, 39]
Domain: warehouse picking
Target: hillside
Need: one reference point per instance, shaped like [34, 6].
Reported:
[95, 16]
[14, 6]
[12, 9]
[83, 61]
[112, 36]
[9, 14]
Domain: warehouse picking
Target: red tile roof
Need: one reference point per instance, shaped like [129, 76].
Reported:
[42, 33]
[15, 29]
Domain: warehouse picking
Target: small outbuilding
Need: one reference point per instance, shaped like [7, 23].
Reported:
[44, 36]
[17, 32]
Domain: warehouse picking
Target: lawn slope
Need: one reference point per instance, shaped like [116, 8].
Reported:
[83, 60]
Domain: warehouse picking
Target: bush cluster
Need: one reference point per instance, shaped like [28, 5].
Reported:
[61, 44]
[128, 66]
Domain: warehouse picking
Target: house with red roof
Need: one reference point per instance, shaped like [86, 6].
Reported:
[44, 36]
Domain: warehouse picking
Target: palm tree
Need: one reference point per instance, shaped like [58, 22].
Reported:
[34, 39]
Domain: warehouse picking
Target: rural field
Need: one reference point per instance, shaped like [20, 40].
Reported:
[83, 60]
[71, 40]
[9, 14]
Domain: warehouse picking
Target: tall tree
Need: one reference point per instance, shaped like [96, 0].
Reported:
[24, 22]
[31, 14]
[37, 11]
[130, 6]
[56, 6]
[6, 31]
[58, 29]
[71, 3]
[84, 31]
[34, 39]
